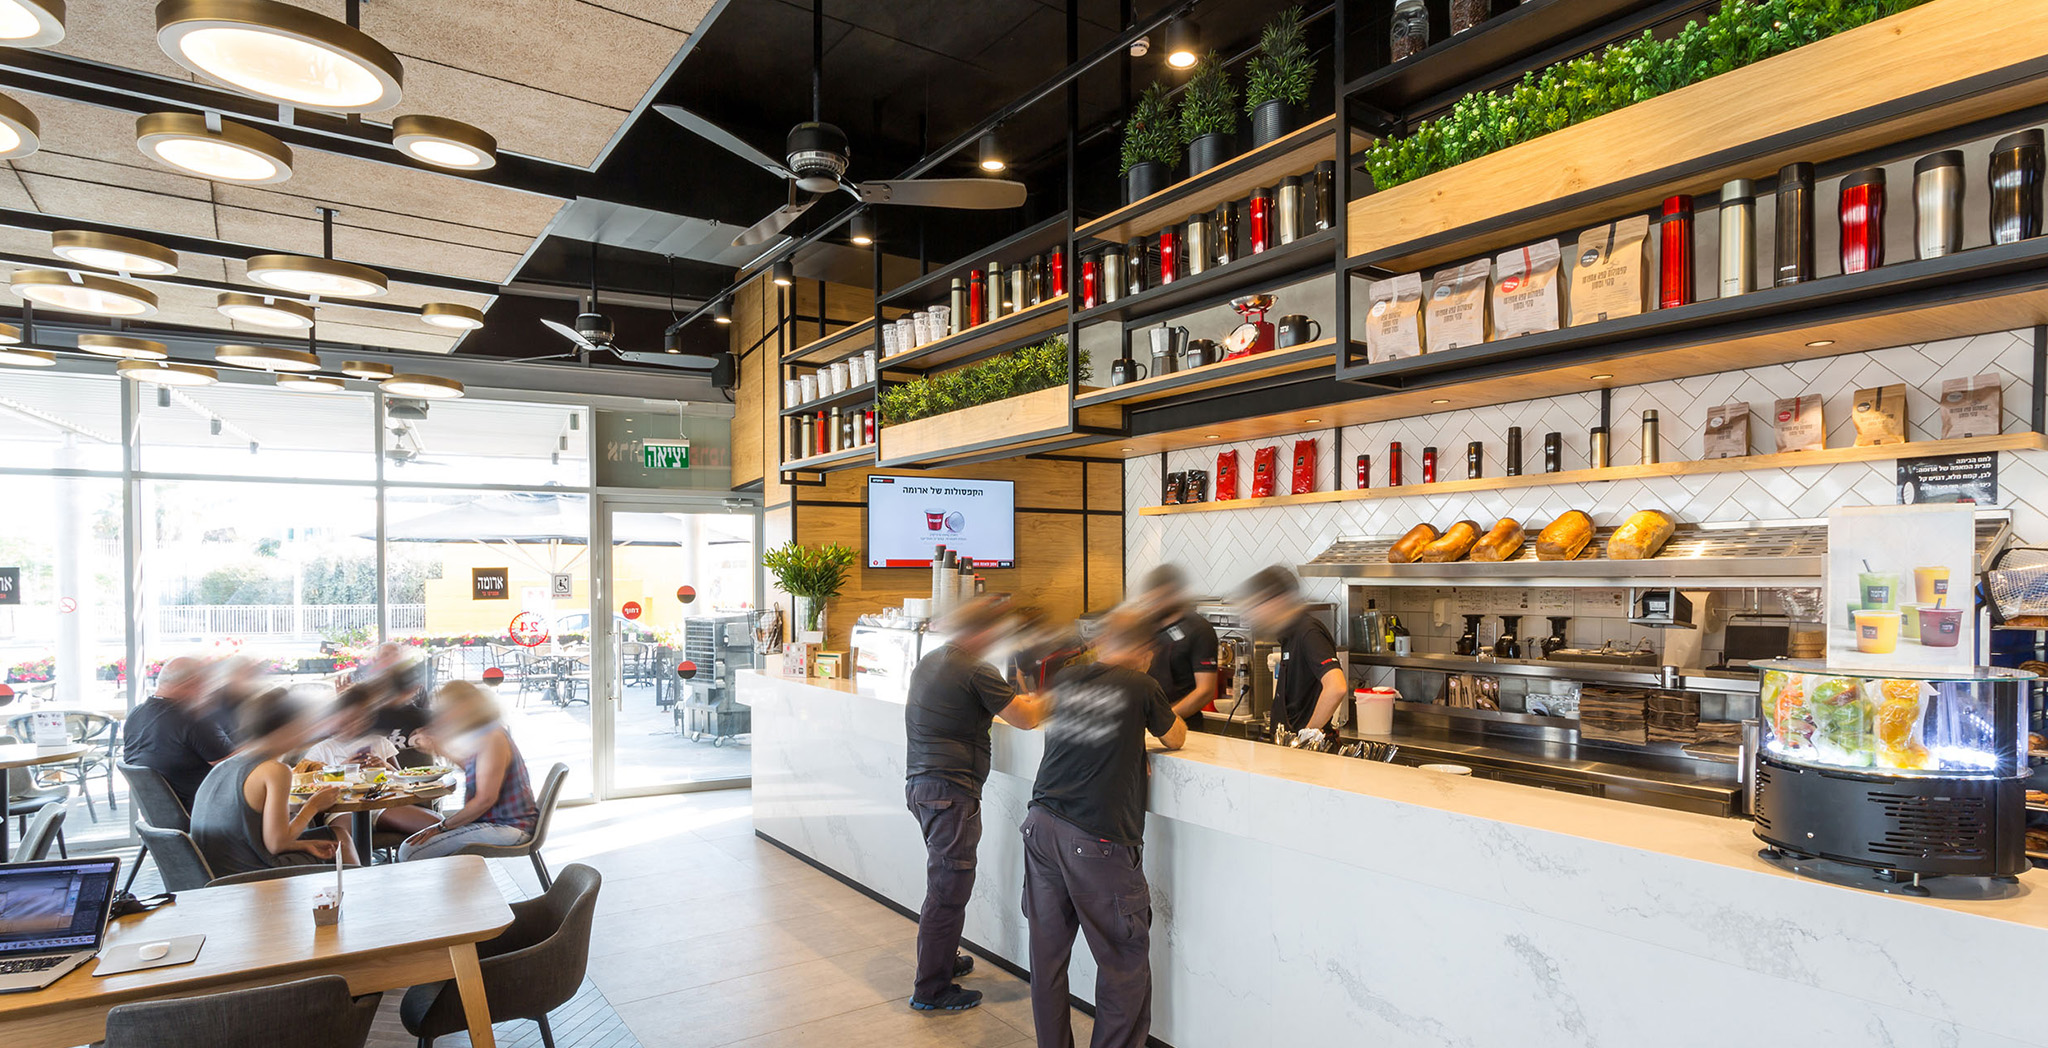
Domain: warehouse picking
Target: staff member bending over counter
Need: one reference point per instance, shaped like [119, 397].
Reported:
[1311, 681]
[1184, 654]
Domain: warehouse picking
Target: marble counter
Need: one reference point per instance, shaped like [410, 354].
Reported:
[1301, 898]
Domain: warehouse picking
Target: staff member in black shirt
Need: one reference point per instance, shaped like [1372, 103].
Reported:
[953, 695]
[1084, 838]
[1311, 681]
[1184, 655]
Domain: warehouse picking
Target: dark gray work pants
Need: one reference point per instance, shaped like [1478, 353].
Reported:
[1073, 881]
[950, 817]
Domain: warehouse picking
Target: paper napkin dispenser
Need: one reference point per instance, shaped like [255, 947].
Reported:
[1663, 609]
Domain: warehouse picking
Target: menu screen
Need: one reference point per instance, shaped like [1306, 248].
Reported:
[908, 516]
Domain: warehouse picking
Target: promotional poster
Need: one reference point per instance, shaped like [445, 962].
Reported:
[1900, 588]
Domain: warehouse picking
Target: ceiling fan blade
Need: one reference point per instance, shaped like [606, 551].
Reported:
[572, 335]
[772, 226]
[724, 139]
[979, 194]
[678, 361]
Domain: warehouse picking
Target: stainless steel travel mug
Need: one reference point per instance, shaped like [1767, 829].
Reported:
[1738, 238]
[1938, 203]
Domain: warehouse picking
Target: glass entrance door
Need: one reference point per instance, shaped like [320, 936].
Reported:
[677, 600]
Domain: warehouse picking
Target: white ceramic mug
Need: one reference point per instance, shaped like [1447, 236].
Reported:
[842, 377]
[868, 364]
[792, 393]
[906, 335]
[810, 388]
[942, 319]
[891, 344]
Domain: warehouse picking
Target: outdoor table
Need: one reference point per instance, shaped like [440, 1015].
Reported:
[26, 755]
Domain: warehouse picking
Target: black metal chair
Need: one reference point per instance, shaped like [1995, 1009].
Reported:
[550, 792]
[26, 797]
[44, 831]
[318, 1013]
[184, 868]
[158, 804]
[529, 970]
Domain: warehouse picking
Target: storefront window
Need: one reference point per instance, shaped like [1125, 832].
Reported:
[59, 421]
[485, 442]
[241, 430]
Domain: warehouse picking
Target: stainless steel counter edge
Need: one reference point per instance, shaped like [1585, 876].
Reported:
[1694, 680]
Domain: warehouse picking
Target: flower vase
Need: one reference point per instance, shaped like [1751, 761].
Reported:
[809, 625]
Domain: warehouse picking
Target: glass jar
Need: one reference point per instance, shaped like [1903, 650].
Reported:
[1467, 13]
[1409, 32]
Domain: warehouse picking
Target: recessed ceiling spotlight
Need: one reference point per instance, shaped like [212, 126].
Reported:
[1819, 342]
[423, 387]
[1310, 421]
[310, 383]
[83, 293]
[365, 369]
[452, 316]
[31, 23]
[444, 143]
[991, 154]
[278, 51]
[1130, 449]
[1183, 43]
[268, 358]
[114, 253]
[265, 311]
[20, 132]
[27, 358]
[167, 374]
[1602, 378]
[123, 347]
[1213, 436]
[1440, 400]
[324, 277]
[234, 153]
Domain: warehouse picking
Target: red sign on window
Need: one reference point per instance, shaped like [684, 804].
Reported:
[529, 630]
[631, 610]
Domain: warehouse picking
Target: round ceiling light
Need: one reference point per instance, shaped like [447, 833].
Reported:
[114, 253]
[166, 374]
[31, 23]
[310, 383]
[83, 293]
[235, 153]
[27, 358]
[453, 316]
[123, 347]
[365, 369]
[269, 358]
[423, 387]
[444, 143]
[265, 311]
[20, 132]
[281, 52]
[321, 277]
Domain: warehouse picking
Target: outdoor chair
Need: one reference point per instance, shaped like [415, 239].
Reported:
[26, 797]
[317, 1012]
[550, 792]
[185, 869]
[100, 735]
[158, 804]
[531, 968]
[47, 827]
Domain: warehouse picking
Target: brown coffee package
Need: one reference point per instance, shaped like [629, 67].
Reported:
[1880, 415]
[1972, 407]
[1727, 434]
[1611, 278]
[1799, 423]
[1393, 322]
[1528, 295]
[1457, 306]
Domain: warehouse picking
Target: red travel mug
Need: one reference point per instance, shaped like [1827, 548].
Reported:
[1429, 465]
[1863, 220]
[1260, 210]
[977, 299]
[1057, 263]
[1169, 254]
[1394, 464]
[1675, 253]
[1364, 472]
[1090, 280]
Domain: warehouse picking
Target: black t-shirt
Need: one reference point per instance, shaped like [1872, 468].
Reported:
[162, 736]
[1093, 773]
[1307, 653]
[953, 697]
[1187, 646]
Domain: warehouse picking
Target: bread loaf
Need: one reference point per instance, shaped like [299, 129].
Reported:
[1502, 543]
[1456, 541]
[1640, 537]
[1566, 537]
[1410, 545]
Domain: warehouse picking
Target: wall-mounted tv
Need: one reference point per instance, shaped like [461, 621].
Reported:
[908, 516]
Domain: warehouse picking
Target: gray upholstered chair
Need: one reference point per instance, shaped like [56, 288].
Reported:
[42, 832]
[184, 867]
[26, 797]
[530, 969]
[158, 805]
[550, 792]
[318, 1013]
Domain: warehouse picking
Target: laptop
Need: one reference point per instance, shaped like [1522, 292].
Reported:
[53, 918]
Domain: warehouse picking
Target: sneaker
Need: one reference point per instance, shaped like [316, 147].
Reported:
[951, 999]
[963, 964]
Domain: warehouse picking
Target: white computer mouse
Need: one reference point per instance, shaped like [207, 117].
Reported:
[153, 951]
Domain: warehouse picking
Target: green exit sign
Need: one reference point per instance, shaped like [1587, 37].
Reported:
[665, 456]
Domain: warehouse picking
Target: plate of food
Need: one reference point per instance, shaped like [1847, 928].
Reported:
[420, 775]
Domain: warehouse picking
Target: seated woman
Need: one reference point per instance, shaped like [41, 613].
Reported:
[498, 806]
[351, 738]
[242, 818]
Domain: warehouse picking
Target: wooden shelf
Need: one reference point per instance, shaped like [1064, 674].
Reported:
[852, 394]
[975, 341]
[1836, 97]
[1000, 429]
[1829, 457]
[1305, 357]
[1249, 274]
[830, 460]
[836, 346]
[1017, 247]
[1294, 154]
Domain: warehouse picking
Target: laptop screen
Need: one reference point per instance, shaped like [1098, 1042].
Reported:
[47, 907]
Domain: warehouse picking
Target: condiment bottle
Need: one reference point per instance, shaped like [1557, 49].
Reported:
[1429, 465]
[1514, 465]
[1862, 212]
[1394, 464]
[1553, 452]
[1597, 450]
[1938, 204]
[1738, 238]
[2016, 187]
[1475, 460]
[1650, 442]
[1794, 257]
[1674, 256]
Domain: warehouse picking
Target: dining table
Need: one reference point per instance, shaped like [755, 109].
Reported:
[403, 924]
[25, 755]
[363, 808]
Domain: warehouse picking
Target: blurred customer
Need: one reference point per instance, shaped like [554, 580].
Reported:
[954, 694]
[1311, 681]
[171, 733]
[351, 739]
[1084, 837]
[1184, 651]
[242, 819]
[403, 707]
[1041, 648]
[497, 796]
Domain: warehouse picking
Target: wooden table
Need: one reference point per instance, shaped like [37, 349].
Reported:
[401, 925]
[26, 755]
[363, 827]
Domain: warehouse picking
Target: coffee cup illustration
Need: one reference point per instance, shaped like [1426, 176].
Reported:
[934, 519]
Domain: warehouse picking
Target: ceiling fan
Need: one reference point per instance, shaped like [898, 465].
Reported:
[815, 158]
[593, 333]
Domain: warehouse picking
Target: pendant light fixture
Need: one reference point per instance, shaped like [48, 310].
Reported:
[721, 312]
[114, 253]
[310, 276]
[224, 151]
[444, 143]
[31, 23]
[452, 316]
[280, 52]
[164, 373]
[861, 230]
[83, 293]
[20, 131]
[123, 347]
[265, 311]
[783, 274]
[365, 369]
[27, 358]
[310, 383]
[422, 387]
[991, 154]
[267, 358]
[1183, 43]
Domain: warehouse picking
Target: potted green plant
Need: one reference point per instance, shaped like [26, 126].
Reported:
[812, 575]
[1208, 115]
[1151, 144]
[1277, 79]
